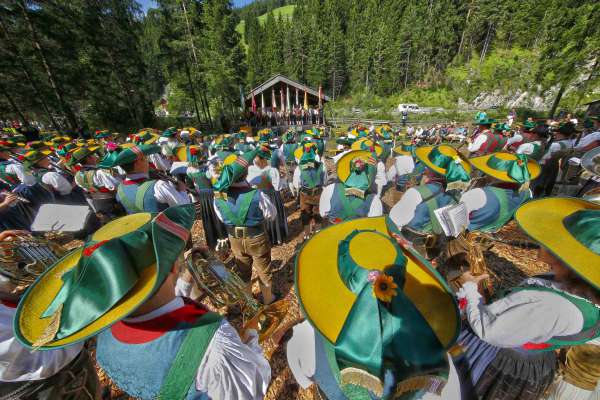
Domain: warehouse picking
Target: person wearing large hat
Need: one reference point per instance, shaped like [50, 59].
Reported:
[65, 373]
[351, 197]
[485, 141]
[241, 145]
[509, 345]
[98, 184]
[12, 172]
[286, 150]
[380, 154]
[447, 171]
[508, 177]
[157, 160]
[406, 171]
[310, 176]
[137, 192]
[534, 142]
[379, 318]
[152, 341]
[262, 175]
[244, 209]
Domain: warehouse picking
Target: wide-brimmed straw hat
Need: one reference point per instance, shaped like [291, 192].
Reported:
[569, 228]
[96, 285]
[367, 144]
[446, 161]
[507, 167]
[381, 307]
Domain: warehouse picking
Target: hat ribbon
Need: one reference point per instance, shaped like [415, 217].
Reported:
[455, 171]
[516, 169]
[584, 225]
[376, 333]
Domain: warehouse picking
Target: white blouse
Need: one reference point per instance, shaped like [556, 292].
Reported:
[376, 209]
[526, 316]
[255, 175]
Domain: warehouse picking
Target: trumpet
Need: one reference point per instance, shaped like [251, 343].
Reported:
[226, 289]
[23, 258]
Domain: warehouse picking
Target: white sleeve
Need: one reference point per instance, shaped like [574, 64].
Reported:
[554, 147]
[165, 192]
[501, 322]
[515, 139]
[161, 163]
[296, 178]
[231, 369]
[404, 210]
[525, 148]
[58, 182]
[325, 200]
[587, 140]
[477, 143]
[183, 288]
[474, 199]
[267, 207]
[392, 172]
[301, 354]
[376, 209]
[25, 177]
[275, 178]
[103, 178]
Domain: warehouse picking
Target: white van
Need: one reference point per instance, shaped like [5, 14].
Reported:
[408, 107]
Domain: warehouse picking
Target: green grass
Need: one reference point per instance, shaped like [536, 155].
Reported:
[285, 11]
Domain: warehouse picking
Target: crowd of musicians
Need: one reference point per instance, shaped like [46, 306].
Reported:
[396, 304]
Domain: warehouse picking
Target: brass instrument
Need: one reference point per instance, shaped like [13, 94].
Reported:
[23, 258]
[226, 289]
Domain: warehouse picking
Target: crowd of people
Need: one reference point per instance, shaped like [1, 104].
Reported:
[297, 115]
[395, 299]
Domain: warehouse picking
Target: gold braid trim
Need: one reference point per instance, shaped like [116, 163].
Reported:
[431, 383]
[358, 377]
[50, 332]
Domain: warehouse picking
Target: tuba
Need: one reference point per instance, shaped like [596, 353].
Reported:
[227, 289]
[25, 257]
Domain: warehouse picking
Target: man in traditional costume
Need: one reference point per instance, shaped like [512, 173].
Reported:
[485, 141]
[244, 209]
[351, 196]
[309, 179]
[406, 171]
[379, 318]
[534, 145]
[137, 192]
[158, 344]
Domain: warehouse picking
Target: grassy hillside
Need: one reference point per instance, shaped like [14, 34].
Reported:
[285, 11]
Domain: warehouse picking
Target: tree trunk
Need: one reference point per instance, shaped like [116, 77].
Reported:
[193, 90]
[13, 105]
[13, 52]
[462, 37]
[556, 102]
[40, 52]
[486, 44]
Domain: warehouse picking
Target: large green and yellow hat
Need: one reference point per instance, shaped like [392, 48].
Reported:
[507, 167]
[481, 118]
[356, 170]
[94, 286]
[102, 134]
[130, 154]
[382, 307]
[306, 155]
[446, 161]
[56, 140]
[234, 171]
[404, 149]
[31, 157]
[368, 145]
[569, 228]
[145, 137]
[191, 154]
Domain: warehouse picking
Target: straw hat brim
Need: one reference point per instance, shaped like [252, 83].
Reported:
[356, 145]
[587, 160]
[481, 164]
[543, 219]
[29, 325]
[327, 302]
[422, 153]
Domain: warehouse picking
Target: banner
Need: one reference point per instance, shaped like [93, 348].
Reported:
[305, 100]
[287, 97]
[320, 96]
[273, 100]
[242, 102]
[262, 101]
[297, 97]
[253, 102]
[282, 98]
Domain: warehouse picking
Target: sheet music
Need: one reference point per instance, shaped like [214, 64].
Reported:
[454, 219]
[60, 217]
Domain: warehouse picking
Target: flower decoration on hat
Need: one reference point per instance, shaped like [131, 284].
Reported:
[384, 288]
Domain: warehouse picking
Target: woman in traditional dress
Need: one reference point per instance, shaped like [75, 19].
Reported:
[509, 344]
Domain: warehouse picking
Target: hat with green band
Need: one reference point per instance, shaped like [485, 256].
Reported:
[569, 228]
[501, 127]
[405, 149]
[103, 134]
[446, 161]
[508, 167]
[356, 170]
[169, 132]
[31, 157]
[191, 154]
[234, 171]
[264, 151]
[379, 308]
[80, 154]
[125, 263]
[289, 137]
[528, 125]
[481, 118]
[145, 137]
[308, 155]
[368, 145]
[130, 154]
